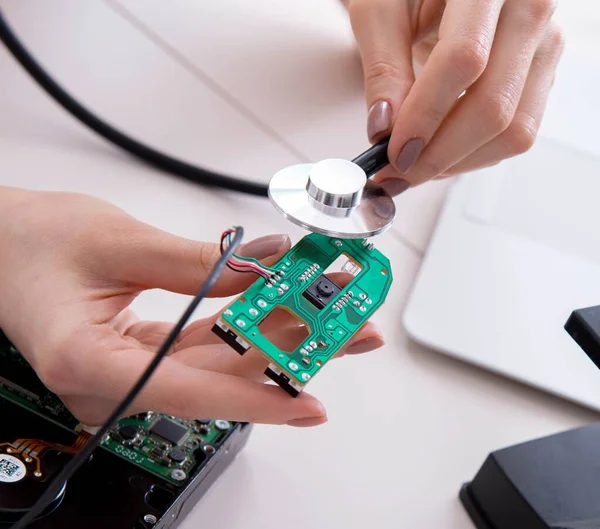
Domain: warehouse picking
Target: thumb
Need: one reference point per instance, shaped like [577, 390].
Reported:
[156, 259]
[383, 32]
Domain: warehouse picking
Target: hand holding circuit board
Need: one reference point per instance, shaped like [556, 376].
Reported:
[68, 275]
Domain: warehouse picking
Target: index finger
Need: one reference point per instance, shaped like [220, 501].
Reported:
[466, 34]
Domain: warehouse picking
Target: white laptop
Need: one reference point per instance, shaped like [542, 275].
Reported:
[517, 249]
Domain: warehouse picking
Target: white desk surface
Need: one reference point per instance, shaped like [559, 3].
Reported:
[249, 87]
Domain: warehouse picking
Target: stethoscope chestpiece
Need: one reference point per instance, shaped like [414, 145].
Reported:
[333, 197]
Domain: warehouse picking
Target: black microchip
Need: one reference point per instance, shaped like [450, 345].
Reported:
[169, 431]
[321, 291]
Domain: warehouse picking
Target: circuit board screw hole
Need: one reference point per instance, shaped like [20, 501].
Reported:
[178, 474]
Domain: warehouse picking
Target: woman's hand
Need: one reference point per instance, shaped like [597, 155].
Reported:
[503, 53]
[70, 267]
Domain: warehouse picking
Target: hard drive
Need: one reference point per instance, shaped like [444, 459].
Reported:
[149, 471]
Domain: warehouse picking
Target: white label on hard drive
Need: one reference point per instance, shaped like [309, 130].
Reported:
[11, 469]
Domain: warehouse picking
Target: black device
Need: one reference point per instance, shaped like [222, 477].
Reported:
[547, 483]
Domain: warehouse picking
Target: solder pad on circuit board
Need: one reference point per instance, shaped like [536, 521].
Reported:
[331, 313]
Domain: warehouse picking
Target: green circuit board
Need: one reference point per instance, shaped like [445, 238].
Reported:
[332, 313]
[20, 384]
[166, 446]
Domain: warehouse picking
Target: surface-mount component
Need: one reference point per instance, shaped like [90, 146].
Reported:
[332, 313]
[177, 455]
[321, 292]
[230, 338]
[128, 432]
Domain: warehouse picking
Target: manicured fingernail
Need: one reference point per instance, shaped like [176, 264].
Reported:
[265, 246]
[309, 421]
[379, 119]
[366, 345]
[316, 414]
[395, 186]
[409, 154]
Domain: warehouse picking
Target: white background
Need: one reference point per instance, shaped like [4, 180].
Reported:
[249, 87]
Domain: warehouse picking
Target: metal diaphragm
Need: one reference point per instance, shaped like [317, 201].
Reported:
[333, 197]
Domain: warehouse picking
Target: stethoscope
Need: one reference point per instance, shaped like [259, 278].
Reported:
[333, 197]
[336, 197]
